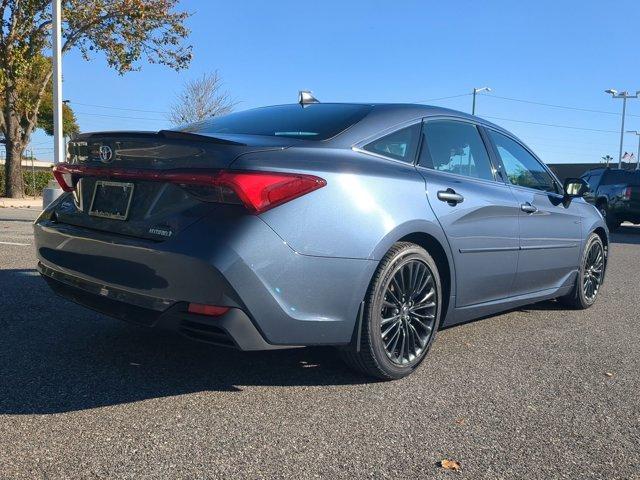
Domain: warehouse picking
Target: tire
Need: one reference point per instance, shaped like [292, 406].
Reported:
[410, 322]
[581, 297]
[609, 217]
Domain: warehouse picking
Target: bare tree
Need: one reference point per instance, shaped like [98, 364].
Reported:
[200, 99]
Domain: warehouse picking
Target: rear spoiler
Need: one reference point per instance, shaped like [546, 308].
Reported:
[168, 134]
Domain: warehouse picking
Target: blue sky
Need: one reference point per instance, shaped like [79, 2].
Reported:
[555, 52]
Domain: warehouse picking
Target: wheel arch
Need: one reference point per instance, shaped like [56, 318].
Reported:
[601, 200]
[430, 236]
[439, 255]
[601, 232]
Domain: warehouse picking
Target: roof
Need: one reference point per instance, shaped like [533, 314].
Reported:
[388, 115]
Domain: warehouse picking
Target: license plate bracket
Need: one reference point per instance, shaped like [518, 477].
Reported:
[111, 199]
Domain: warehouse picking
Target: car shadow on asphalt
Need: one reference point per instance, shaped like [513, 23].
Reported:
[629, 234]
[56, 357]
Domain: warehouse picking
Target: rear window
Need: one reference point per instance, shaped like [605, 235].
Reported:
[614, 177]
[318, 121]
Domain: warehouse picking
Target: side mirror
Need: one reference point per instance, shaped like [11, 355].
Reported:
[575, 187]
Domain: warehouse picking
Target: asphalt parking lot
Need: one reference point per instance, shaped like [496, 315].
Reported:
[536, 393]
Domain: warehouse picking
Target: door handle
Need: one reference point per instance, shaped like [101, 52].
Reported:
[450, 196]
[528, 208]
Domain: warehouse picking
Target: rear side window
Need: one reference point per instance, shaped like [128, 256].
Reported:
[455, 147]
[522, 168]
[318, 121]
[401, 144]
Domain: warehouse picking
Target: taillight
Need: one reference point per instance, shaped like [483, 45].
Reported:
[210, 310]
[64, 178]
[627, 193]
[258, 191]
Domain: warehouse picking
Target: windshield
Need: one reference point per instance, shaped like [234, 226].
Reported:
[318, 121]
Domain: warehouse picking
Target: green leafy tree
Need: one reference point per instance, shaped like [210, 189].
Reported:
[127, 32]
[45, 117]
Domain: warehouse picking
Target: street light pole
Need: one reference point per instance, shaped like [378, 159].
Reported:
[58, 147]
[637, 132]
[475, 92]
[53, 190]
[624, 96]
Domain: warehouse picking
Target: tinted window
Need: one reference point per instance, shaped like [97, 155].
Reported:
[594, 180]
[455, 147]
[521, 167]
[401, 145]
[312, 122]
[613, 177]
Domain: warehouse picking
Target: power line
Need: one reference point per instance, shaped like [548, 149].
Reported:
[532, 102]
[571, 142]
[552, 125]
[536, 103]
[552, 105]
[118, 108]
[120, 116]
[444, 98]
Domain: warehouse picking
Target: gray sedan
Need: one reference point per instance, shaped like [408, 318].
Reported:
[363, 226]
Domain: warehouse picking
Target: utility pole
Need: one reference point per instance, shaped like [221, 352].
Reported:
[623, 95]
[58, 147]
[33, 174]
[475, 92]
[637, 132]
[53, 191]
[607, 159]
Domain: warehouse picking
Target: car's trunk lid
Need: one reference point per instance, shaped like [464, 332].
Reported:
[158, 210]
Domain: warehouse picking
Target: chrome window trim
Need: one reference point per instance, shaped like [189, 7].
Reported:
[383, 157]
[387, 131]
[359, 146]
[459, 176]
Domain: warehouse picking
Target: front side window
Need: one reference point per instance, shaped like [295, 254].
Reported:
[401, 144]
[522, 168]
[455, 147]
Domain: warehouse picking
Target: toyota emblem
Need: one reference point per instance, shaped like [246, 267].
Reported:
[105, 154]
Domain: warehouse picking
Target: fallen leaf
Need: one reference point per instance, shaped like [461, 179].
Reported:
[461, 421]
[451, 465]
[608, 374]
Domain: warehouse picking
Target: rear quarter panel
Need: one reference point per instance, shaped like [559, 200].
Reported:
[367, 204]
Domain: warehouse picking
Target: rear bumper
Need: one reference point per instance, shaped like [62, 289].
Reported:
[233, 329]
[278, 297]
[626, 210]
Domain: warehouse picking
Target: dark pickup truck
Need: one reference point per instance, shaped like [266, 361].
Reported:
[616, 193]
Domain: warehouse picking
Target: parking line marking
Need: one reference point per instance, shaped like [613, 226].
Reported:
[16, 244]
